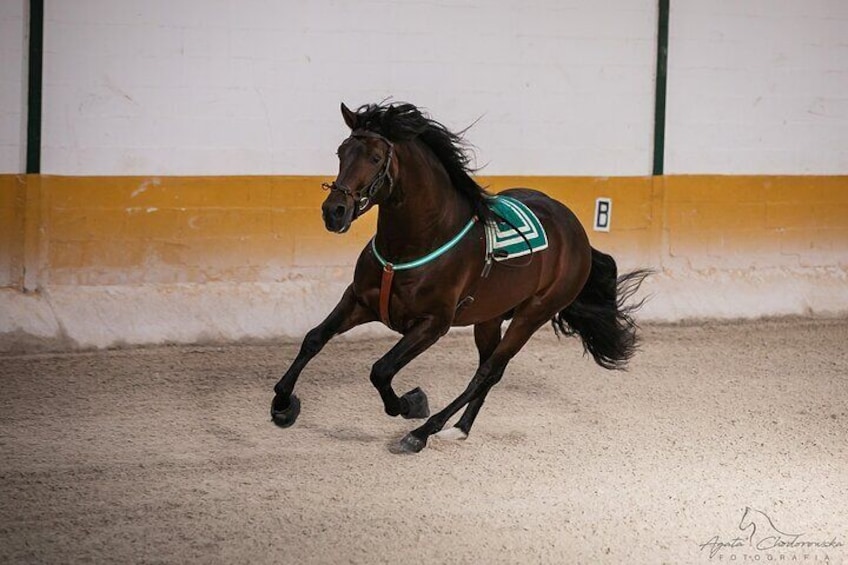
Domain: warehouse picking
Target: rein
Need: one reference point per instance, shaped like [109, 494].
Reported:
[364, 199]
[390, 268]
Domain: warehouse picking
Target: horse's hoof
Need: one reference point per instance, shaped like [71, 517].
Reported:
[411, 444]
[285, 415]
[418, 405]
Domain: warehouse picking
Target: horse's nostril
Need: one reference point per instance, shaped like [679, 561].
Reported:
[339, 212]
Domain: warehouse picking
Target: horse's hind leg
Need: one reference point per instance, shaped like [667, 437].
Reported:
[522, 327]
[347, 314]
[463, 427]
[487, 336]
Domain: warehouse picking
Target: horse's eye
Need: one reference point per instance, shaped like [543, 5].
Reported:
[375, 158]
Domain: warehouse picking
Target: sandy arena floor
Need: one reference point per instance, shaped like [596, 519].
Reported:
[167, 454]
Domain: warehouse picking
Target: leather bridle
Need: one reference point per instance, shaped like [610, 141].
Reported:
[364, 198]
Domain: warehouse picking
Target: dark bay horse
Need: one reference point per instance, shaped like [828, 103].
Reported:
[427, 268]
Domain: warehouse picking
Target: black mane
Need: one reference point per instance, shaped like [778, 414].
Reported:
[405, 122]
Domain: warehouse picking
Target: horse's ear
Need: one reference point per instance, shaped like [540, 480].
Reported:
[350, 117]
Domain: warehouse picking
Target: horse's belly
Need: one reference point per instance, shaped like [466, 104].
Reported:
[497, 295]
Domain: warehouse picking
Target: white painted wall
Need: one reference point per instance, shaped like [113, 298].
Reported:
[561, 86]
[758, 86]
[12, 86]
[253, 86]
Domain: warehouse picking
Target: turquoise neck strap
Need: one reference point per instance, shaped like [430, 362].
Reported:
[427, 258]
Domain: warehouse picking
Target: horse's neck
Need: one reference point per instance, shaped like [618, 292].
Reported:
[430, 212]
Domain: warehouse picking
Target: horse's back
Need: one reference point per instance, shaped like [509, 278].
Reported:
[559, 221]
[569, 256]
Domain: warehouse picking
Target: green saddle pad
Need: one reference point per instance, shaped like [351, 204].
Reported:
[502, 240]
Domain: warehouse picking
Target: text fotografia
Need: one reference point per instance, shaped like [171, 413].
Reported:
[715, 545]
[763, 541]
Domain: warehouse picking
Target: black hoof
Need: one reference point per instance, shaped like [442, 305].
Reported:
[411, 444]
[418, 405]
[285, 415]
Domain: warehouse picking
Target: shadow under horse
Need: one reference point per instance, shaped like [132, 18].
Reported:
[429, 268]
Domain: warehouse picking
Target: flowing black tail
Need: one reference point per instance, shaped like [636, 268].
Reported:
[600, 314]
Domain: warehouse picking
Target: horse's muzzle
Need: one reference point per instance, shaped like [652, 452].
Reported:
[337, 215]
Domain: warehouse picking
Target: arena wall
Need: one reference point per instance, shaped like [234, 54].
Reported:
[110, 260]
[757, 87]
[12, 86]
[201, 87]
[183, 144]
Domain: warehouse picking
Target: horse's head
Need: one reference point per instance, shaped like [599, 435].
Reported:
[758, 521]
[365, 175]
[747, 521]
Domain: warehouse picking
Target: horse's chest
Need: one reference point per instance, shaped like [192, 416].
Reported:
[409, 297]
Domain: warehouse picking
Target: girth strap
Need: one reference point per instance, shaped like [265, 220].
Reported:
[386, 293]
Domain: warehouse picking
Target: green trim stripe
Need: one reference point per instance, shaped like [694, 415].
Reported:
[427, 258]
[34, 86]
[661, 87]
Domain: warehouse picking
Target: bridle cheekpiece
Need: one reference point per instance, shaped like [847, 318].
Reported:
[364, 198]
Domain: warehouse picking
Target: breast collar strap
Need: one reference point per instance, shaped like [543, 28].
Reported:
[390, 268]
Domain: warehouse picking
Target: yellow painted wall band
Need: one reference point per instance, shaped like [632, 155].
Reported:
[130, 230]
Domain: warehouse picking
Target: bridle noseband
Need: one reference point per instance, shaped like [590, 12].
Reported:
[365, 197]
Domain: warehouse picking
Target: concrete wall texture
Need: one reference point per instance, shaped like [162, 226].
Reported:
[228, 87]
[199, 87]
[184, 142]
[758, 87]
[12, 86]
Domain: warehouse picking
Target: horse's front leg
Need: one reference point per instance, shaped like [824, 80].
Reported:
[413, 404]
[347, 314]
